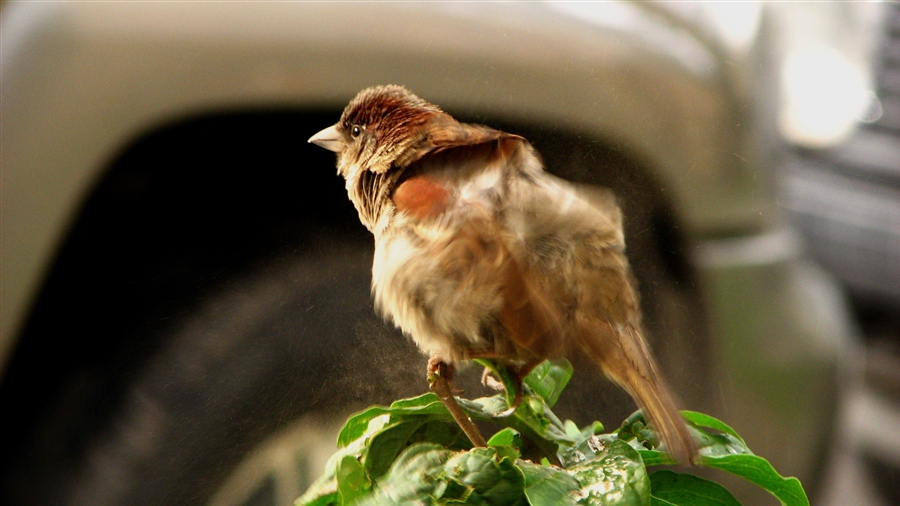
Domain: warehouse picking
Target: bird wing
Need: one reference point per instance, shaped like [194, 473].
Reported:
[460, 189]
[552, 252]
[575, 237]
[606, 324]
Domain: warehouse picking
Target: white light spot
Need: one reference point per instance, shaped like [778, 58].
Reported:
[823, 96]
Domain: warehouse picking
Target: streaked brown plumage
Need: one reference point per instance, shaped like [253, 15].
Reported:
[481, 253]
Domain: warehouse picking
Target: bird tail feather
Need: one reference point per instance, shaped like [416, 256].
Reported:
[624, 357]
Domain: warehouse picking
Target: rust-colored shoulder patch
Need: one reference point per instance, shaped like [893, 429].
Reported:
[422, 198]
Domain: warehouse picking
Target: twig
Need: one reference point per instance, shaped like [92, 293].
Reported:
[439, 380]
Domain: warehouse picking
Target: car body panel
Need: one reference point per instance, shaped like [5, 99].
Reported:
[111, 71]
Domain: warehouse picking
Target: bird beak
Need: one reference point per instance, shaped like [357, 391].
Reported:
[330, 139]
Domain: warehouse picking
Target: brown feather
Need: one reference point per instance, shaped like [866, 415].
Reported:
[532, 321]
[624, 357]
[422, 198]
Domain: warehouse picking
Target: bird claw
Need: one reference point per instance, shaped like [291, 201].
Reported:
[488, 380]
[437, 367]
[517, 399]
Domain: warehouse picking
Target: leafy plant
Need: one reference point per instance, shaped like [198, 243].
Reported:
[413, 453]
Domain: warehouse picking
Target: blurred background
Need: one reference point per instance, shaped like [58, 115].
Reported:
[185, 314]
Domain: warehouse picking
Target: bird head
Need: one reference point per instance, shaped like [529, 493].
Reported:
[382, 127]
[383, 131]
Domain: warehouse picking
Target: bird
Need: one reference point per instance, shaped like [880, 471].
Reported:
[482, 253]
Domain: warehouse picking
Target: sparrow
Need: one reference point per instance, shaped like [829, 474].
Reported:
[481, 253]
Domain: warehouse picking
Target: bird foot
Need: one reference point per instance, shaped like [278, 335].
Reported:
[437, 367]
[488, 380]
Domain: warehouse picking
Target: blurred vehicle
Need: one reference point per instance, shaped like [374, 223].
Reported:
[185, 305]
[841, 188]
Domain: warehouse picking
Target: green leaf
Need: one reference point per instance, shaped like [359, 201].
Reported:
[505, 437]
[703, 420]
[351, 479]
[599, 471]
[385, 445]
[617, 477]
[409, 480]
[655, 458]
[548, 485]
[325, 490]
[544, 432]
[429, 474]
[426, 404]
[608, 471]
[646, 441]
[549, 379]
[726, 451]
[759, 471]
[357, 425]
[331, 499]
[674, 489]
[495, 482]
[446, 434]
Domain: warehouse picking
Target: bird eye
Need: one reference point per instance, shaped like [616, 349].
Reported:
[355, 130]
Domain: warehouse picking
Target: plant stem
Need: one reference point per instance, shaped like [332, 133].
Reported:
[439, 380]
